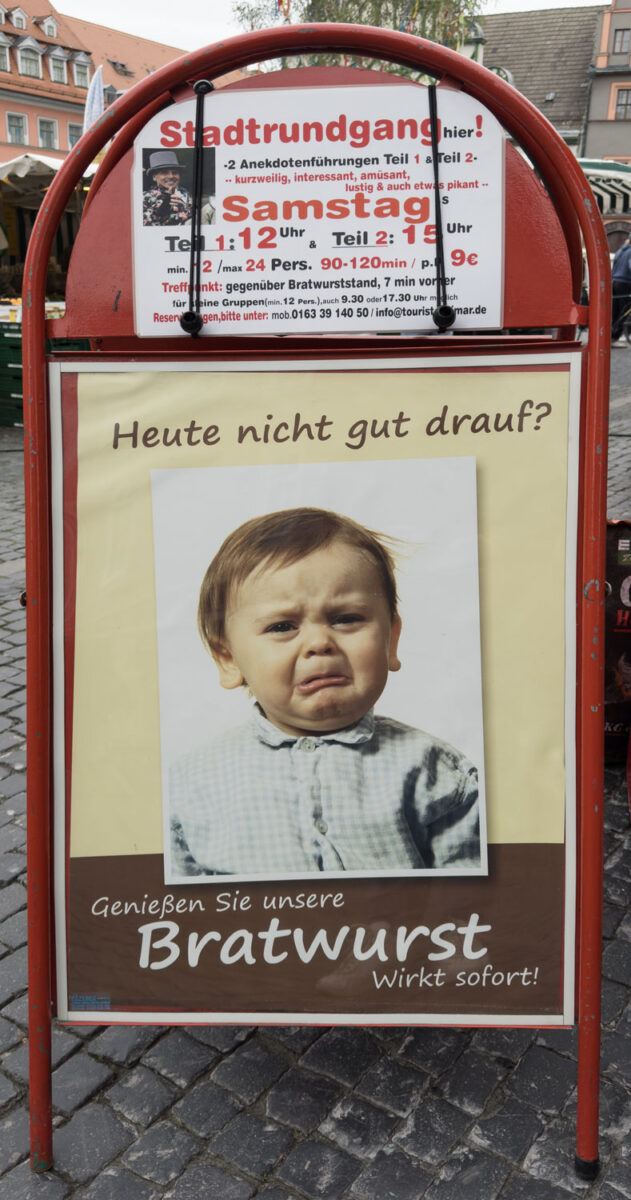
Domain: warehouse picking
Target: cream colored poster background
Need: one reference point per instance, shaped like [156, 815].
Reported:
[522, 507]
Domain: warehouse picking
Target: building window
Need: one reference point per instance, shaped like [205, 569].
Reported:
[81, 74]
[58, 72]
[47, 138]
[74, 133]
[623, 104]
[4, 59]
[621, 41]
[29, 63]
[19, 20]
[16, 129]
[50, 28]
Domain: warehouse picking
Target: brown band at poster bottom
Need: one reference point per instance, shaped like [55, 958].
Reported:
[444, 945]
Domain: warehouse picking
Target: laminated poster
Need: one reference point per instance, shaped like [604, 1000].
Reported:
[319, 212]
[314, 670]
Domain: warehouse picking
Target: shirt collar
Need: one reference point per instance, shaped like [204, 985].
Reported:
[361, 731]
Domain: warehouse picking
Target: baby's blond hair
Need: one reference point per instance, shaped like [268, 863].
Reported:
[278, 539]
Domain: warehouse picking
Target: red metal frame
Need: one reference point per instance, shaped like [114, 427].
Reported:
[578, 215]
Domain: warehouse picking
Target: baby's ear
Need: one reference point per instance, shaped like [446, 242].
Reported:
[394, 663]
[229, 673]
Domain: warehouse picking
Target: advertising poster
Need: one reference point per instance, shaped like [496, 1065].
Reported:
[314, 690]
[319, 212]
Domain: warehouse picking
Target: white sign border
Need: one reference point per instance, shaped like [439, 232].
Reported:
[467, 1020]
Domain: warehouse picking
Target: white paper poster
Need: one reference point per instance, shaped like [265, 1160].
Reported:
[319, 212]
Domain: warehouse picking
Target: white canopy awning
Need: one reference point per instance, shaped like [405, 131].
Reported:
[24, 180]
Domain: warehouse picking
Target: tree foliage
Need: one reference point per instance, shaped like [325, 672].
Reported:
[444, 21]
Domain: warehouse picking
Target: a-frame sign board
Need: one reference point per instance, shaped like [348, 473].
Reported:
[378, 799]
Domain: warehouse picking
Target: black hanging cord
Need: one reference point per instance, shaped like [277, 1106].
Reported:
[191, 321]
[443, 315]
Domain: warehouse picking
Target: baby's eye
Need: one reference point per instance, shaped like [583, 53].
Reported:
[347, 619]
[280, 627]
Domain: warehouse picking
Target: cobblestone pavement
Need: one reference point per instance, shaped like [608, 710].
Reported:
[300, 1113]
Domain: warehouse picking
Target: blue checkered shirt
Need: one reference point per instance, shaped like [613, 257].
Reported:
[378, 796]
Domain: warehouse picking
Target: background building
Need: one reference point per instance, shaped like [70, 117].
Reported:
[46, 63]
[547, 55]
[575, 66]
[608, 131]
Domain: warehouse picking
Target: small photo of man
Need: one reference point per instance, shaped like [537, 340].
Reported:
[168, 187]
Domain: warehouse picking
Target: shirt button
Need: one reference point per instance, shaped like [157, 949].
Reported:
[321, 826]
[307, 744]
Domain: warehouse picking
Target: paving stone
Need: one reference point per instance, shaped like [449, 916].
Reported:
[14, 974]
[611, 920]
[615, 1055]
[249, 1070]
[12, 785]
[10, 1035]
[179, 1058]
[85, 1032]
[343, 1053]
[12, 864]
[543, 1079]
[14, 1138]
[203, 1179]
[616, 891]
[523, 1187]
[614, 997]
[617, 1183]
[470, 1173]
[564, 1041]
[302, 1100]
[205, 1108]
[614, 1111]
[551, 1157]
[141, 1096]
[90, 1140]
[617, 961]
[471, 1081]
[252, 1144]
[161, 1153]
[430, 1132]
[116, 1184]
[391, 1176]
[125, 1043]
[11, 838]
[273, 1192]
[295, 1037]
[8, 741]
[510, 1131]
[17, 1011]
[321, 1172]
[15, 806]
[62, 1045]
[13, 931]
[433, 1049]
[359, 1127]
[222, 1037]
[23, 1184]
[8, 1091]
[76, 1080]
[619, 863]
[395, 1086]
[609, 1192]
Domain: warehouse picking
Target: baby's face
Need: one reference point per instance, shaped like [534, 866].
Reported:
[314, 640]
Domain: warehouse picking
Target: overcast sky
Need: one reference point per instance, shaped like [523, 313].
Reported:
[196, 24]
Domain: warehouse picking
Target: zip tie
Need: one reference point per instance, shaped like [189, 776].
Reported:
[443, 315]
[191, 321]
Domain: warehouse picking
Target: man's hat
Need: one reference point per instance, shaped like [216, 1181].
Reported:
[161, 160]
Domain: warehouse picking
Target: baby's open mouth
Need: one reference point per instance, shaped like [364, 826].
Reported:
[315, 682]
